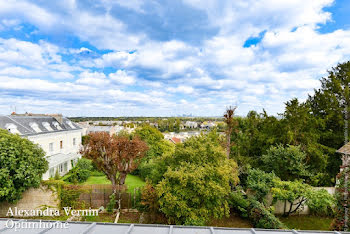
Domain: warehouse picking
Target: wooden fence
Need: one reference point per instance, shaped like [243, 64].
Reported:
[97, 195]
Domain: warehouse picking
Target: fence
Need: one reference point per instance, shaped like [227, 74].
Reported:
[95, 196]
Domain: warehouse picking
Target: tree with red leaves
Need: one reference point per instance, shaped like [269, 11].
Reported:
[115, 156]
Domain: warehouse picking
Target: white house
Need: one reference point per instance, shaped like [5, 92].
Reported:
[58, 137]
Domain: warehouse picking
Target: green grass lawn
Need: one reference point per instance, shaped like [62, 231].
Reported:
[131, 181]
[306, 222]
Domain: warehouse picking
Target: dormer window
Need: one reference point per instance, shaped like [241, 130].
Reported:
[35, 127]
[47, 126]
[57, 125]
[70, 124]
[12, 128]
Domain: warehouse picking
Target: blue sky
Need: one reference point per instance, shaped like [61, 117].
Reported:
[166, 58]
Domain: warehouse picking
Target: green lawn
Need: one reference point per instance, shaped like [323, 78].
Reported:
[131, 181]
[306, 222]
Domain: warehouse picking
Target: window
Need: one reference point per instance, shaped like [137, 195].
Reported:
[11, 128]
[57, 125]
[60, 168]
[71, 124]
[35, 127]
[73, 141]
[47, 126]
[51, 147]
[61, 144]
[65, 167]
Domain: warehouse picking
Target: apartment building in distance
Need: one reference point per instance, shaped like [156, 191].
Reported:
[59, 137]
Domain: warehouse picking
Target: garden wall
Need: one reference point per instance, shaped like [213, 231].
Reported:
[279, 206]
[33, 199]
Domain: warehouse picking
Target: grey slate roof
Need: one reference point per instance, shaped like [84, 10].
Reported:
[106, 228]
[23, 124]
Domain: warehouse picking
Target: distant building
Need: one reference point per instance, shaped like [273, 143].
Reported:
[108, 129]
[58, 137]
[191, 124]
[175, 140]
[208, 125]
[84, 127]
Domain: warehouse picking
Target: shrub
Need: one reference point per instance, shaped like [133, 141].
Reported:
[81, 172]
[254, 211]
[260, 183]
[321, 203]
[239, 203]
[262, 217]
[111, 203]
[69, 196]
[22, 164]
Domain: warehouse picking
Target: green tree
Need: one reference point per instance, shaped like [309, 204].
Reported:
[260, 183]
[197, 180]
[22, 164]
[303, 129]
[157, 147]
[329, 103]
[288, 163]
[293, 193]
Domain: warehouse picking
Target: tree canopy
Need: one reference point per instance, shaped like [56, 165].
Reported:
[197, 181]
[114, 155]
[22, 164]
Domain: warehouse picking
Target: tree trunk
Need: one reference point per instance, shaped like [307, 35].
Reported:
[228, 143]
[122, 177]
[113, 180]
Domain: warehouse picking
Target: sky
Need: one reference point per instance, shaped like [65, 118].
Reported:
[166, 57]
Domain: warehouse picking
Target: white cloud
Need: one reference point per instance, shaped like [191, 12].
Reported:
[93, 78]
[122, 77]
[176, 76]
[181, 89]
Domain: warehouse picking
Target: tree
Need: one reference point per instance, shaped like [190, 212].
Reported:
[294, 192]
[288, 163]
[22, 164]
[197, 180]
[304, 129]
[260, 183]
[157, 147]
[231, 123]
[329, 103]
[114, 155]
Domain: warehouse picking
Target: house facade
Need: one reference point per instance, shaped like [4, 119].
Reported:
[58, 137]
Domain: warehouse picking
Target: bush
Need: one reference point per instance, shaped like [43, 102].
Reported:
[22, 164]
[111, 203]
[239, 203]
[254, 211]
[262, 217]
[321, 203]
[81, 172]
[69, 196]
[260, 183]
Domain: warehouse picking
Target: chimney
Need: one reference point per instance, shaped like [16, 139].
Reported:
[58, 117]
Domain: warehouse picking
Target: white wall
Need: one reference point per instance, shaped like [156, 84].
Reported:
[68, 152]
[279, 206]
